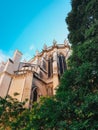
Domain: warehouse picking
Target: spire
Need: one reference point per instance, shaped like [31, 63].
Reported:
[54, 42]
[37, 52]
[45, 47]
[65, 42]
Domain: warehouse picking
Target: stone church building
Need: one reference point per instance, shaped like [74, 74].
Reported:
[38, 77]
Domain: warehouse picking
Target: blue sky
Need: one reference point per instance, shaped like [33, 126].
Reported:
[27, 25]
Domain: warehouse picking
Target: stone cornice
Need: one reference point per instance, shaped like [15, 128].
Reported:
[51, 48]
[5, 72]
[44, 81]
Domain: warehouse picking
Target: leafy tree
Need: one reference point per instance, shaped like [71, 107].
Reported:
[11, 111]
[79, 85]
[46, 115]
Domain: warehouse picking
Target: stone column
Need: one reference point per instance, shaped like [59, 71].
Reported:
[55, 72]
[27, 88]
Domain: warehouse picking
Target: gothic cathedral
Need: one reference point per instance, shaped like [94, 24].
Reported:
[38, 77]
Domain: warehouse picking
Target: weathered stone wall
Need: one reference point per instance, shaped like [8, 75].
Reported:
[17, 86]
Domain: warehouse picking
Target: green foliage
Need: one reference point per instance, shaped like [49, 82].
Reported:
[45, 114]
[79, 85]
[10, 111]
[83, 15]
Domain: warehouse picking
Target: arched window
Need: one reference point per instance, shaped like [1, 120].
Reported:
[61, 64]
[43, 63]
[34, 94]
[50, 66]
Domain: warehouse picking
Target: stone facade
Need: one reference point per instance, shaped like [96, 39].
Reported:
[38, 77]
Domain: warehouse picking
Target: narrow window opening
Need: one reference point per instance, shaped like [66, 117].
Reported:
[61, 64]
[50, 67]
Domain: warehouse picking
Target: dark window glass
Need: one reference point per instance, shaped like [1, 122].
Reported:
[35, 95]
[50, 67]
[44, 65]
[64, 63]
[61, 64]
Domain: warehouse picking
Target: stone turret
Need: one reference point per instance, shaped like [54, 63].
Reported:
[45, 47]
[16, 59]
[8, 71]
[54, 42]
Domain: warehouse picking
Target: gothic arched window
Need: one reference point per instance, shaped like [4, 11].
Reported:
[50, 66]
[43, 63]
[34, 94]
[61, 64]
